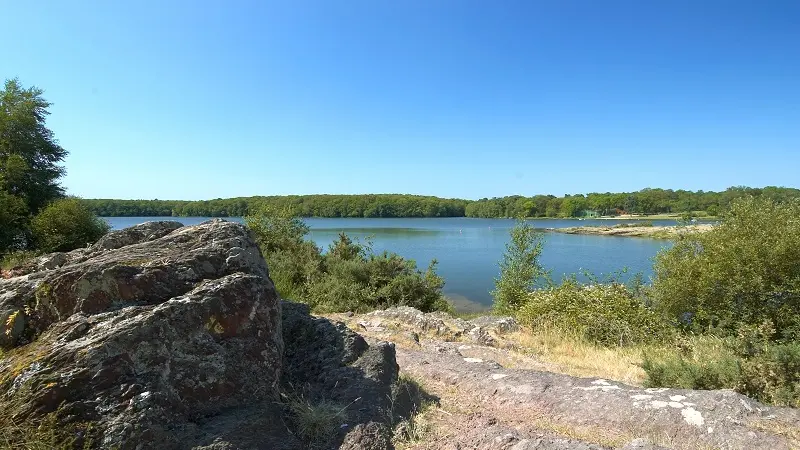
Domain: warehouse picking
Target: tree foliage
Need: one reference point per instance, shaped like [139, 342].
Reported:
[29, 153]
[605, 314]
[744, 272]
[519, 269]
[646, 201]
[65, 225]
[349, 277]
[751, 362]
[31, 215]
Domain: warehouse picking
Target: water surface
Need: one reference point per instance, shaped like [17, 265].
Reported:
[468, 250]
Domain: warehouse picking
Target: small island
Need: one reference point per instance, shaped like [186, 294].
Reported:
[636, 230]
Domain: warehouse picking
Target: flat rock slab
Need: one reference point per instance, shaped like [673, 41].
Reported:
[673, 418]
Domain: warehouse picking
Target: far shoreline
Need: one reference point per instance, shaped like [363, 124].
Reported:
[653, 232]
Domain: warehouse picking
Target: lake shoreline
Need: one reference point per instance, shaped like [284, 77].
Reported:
[653, 232]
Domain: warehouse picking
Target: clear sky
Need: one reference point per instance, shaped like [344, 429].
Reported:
[456, 98]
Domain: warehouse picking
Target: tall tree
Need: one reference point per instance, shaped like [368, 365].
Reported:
[29, 153]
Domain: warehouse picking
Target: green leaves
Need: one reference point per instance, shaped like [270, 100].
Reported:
[745, 271]
[65, 225]
[29, 157]
[604, 314]
[519, 269]
[29, 153]
[349, 277]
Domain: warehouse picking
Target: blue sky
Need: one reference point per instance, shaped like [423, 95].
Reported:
[455, 98]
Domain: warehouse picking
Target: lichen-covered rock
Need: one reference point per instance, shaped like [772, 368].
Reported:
[147, 272]
[337, 365]
[136, 234]
[51, 261]
[484, 330]
[148, 336]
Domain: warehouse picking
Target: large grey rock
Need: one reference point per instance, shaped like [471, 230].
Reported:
[146, 272]
[169, 337]
[337, 365]
[136, 234]
[149, 336]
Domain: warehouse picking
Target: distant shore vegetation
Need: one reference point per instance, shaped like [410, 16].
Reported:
[645, 202]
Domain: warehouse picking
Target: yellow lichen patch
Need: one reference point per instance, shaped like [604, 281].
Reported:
[213, 325]
[136, 262]
[18, 360]
[11, 323]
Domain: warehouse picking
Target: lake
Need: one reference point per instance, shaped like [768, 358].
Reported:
[468, 249]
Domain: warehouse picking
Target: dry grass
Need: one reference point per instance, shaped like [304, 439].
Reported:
[412, 427]
[44, 434]
[316, 423]
[781, 428]
[570, 354]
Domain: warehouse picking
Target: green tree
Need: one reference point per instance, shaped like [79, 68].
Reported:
[746, 271]
[519, 269]
[29, 152]
[13, 222]
[65, 225]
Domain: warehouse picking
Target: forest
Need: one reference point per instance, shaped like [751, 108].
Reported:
[645, 201]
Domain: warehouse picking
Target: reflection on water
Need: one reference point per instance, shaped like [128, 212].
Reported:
[468, 250]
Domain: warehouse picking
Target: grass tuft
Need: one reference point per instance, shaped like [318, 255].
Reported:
[316, 423]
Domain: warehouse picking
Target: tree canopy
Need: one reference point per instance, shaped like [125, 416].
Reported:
[34, 215]
[29, 153]
[29, 162]
[646, 201]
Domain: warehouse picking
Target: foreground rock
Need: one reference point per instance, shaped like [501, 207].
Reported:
[494, 398]
[161, 336]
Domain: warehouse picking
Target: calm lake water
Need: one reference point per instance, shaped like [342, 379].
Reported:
[468, 250]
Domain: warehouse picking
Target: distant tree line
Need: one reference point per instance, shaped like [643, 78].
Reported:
[378, 205]
[646, 201]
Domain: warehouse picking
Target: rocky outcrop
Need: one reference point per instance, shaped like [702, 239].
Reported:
[493, 397]
[484, 330]
[162, 336]
[145, 334]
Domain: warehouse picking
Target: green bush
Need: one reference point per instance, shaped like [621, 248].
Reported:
[698, 363]
[14, 222]
[645, 223]
[751, 363]
[519, 270]
[65, 225]
[743, 272]
[368, 282]
[605, 314]
[349, 277]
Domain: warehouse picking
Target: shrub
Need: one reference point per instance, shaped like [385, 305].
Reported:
[376, 282]
[605, 314]
[646, 223]
[65, 225]
[350, 277]
[14, 222]
[699, 363]
[744, 271]
[519, 270]
[751, 363]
